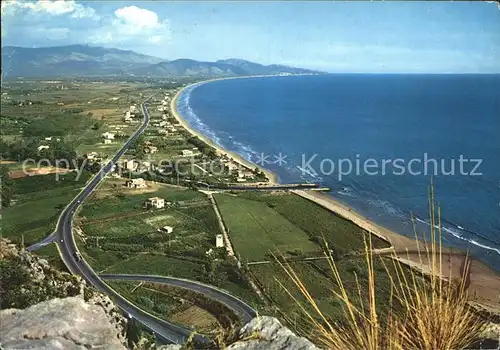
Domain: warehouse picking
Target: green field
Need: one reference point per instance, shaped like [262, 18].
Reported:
[318, 223]
[77, 113]
[292, 227]
[123, 199]
[257, 229]
[157, 264]
[33, 186]
[34, 215]
[37, 204]
[120, 236]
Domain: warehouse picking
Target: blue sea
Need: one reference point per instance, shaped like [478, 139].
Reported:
[311, 128]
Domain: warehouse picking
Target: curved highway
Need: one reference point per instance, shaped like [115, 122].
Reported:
[77, 265]
[47, 240]
[242, 310]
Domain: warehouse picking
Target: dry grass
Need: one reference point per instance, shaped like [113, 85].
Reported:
[427, 312]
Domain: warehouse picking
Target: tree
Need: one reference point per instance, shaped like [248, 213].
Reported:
[210, 272]
[7, 186]
[97, 125]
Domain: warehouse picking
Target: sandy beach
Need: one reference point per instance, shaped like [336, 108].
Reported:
[484, 282]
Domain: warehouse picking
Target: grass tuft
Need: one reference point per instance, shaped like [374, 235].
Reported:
[428, 310]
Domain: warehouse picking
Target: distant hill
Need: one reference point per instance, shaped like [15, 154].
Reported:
[72, 60]
[84, 60]
[186, 67]
[252, 68]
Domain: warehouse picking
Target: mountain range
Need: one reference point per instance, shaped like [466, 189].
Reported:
[84, 60]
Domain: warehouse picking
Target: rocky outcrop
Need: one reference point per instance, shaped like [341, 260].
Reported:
[31, 280]
[69, 323]
[266, 332]
[44, 308]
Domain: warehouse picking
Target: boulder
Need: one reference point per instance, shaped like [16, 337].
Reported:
[68, 323]
[266, 332]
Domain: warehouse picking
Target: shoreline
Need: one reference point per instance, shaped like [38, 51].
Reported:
[272, 177]
[484, 281]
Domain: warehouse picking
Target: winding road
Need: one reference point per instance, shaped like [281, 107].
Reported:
[63, 236]
[242, 310]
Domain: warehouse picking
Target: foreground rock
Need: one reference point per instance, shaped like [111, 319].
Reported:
[266, 332]
[43, 308]
[68, 323]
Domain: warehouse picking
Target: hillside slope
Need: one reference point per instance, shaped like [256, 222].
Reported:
[87, 61]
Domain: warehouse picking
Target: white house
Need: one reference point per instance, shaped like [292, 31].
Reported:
[136, 183]
[128, 117]
[108, 136]
[130, 164]
[151, 149]
[245, 174]
[219, 241]
[231, 166]
[187, 153]
[41, 148]
[155, 202]
[92, 155]
[167, 229]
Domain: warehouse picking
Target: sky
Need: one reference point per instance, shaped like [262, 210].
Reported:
[391, 36]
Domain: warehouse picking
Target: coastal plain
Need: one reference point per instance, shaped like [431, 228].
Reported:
[118, 233]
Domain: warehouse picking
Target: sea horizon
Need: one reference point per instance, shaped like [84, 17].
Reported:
[376, 204]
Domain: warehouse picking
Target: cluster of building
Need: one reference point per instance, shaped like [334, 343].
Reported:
[130, 114]
[150, 148]
[136, 166]
[164, 126]
[93, 157]
[164, 104]
[108, 137]
[242, 173]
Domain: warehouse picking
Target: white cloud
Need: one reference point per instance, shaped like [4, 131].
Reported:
[48, 7]
[132, 23]
[137, 17]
